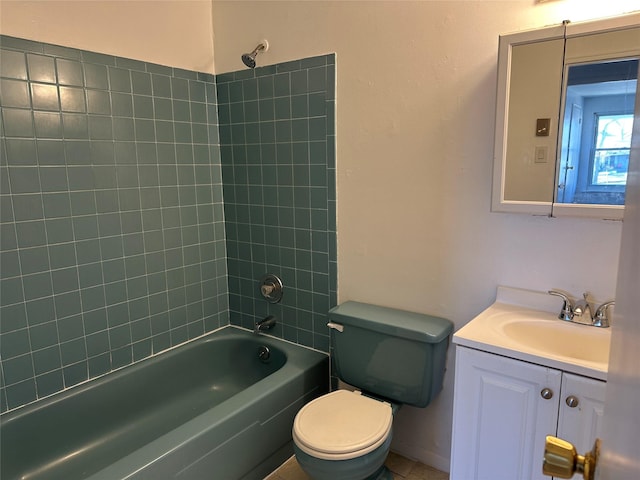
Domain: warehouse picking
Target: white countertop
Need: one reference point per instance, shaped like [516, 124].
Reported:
[567, 346]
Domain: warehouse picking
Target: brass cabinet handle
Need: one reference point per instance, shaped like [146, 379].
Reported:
[546, 393]
[572, 401]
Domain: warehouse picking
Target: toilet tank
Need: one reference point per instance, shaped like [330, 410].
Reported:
[394, 354]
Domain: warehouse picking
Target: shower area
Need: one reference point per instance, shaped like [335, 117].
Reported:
[141, 205]
[277, 145]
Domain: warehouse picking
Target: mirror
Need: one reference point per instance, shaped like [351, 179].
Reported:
[564, 118]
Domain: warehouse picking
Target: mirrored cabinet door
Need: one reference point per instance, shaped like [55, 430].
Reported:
[564, 118]
[599, 93]
[536, 79]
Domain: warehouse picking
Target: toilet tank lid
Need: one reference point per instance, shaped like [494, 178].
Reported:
[400, 323]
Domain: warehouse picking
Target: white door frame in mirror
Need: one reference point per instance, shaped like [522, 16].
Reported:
[505, 56]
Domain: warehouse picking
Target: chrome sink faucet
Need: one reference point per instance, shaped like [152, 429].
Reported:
[583, 311]
[264, 324]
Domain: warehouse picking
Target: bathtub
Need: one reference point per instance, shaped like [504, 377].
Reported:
[209, 409]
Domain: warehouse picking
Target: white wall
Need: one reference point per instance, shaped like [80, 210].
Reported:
[415, 116]
[416, 94]
[173, 33]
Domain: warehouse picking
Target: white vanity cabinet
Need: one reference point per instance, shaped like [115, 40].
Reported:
[504, 408]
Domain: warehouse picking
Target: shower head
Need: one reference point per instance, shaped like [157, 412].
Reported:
[249, 59]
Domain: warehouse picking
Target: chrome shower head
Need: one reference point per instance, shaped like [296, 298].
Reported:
[249, 59]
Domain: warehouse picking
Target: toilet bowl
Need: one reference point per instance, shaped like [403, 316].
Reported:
[343, 436]
[390, 354]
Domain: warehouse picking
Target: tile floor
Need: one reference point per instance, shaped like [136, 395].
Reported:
[402, 468]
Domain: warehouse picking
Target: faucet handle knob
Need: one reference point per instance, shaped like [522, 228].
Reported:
[567, 311]
[602, 308]
[271, 288]
[266, 289]
[601, 317]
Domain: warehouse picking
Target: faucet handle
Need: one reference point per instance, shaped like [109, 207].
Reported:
[601, 317]
[567, 311]
[271, 288]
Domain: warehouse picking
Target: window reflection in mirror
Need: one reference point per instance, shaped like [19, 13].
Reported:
[596, 132]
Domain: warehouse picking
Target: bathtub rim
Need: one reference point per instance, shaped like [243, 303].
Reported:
[11, 412]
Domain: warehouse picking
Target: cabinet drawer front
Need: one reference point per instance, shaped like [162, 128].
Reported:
[500, 418]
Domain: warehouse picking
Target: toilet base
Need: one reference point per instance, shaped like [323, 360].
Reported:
[368, 467]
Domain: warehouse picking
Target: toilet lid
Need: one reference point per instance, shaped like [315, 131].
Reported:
[342, 425]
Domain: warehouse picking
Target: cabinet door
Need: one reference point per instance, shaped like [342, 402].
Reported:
[500, 419]
[580, 424]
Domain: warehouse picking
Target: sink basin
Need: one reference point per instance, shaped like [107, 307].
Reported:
[538, 336]
[560, 338]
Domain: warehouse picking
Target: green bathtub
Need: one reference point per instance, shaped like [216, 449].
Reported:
[209, 409]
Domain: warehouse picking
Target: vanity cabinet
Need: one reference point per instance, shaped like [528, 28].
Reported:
[504, 408]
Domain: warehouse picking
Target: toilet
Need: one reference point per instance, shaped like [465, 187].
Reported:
[393, 358]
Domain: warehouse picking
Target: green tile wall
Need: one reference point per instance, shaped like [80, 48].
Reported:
[112, 235]
[113, 244]
[277, 141]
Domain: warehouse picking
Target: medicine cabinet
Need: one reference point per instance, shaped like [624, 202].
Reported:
[564, 116]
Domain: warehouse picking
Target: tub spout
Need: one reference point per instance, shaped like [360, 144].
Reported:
[265, 324]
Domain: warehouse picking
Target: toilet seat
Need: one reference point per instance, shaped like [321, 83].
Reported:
[342, 425]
